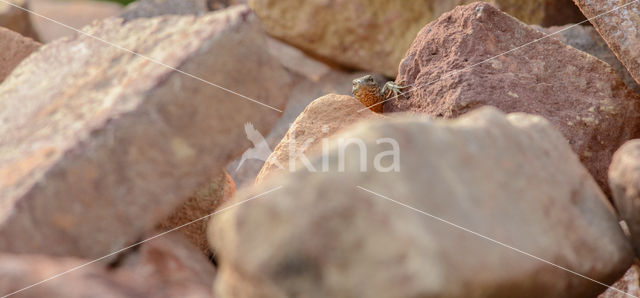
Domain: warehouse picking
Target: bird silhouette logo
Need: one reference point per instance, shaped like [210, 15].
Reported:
[260, 150]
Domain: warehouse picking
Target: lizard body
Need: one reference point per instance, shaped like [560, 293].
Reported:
[369, 93]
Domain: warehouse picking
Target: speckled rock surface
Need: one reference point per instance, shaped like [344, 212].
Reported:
[581, 95]
[587, 39]
[374, 35]
[201, 203]
[164, 267]
[320, 119]
[16, 19]
[13, 49]
[512, 178]
[102, 145]
[617, 23]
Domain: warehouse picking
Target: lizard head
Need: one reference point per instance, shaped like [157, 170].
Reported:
[364, 83]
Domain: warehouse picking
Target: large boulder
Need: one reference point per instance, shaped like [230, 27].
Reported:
[99, 144]
[13, 49]
[15, 17]
[477, 55]
[374, 35]
[618, 23]
[512, 179]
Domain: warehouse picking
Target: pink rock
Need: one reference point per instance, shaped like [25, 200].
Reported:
[99, 145]
[581, 95]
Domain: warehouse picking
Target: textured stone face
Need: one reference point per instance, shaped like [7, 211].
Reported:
[578, 93]
[511, 178]
[587, 39]
[374, 35]
[102, 144]
[618, 27]
[13, 49]
[322, 118]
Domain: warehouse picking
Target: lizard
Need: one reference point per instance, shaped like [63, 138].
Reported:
[368, 92]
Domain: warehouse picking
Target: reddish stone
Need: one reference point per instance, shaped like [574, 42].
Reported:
[618, 22]
[581, 95]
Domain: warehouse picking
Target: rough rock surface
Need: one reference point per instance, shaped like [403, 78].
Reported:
[319, 120]
[16, 19]
[320, 235]
[374, 35]
[13, 49]
[587, 39]
[624, 180]
[311, 79]
[618, 23]
[74, 13]
[581, 95]
[628, 284]
[164, 267]
[102, 145]
[203, 202]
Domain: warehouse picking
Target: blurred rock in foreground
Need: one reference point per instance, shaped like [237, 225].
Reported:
[618, 23]
[165, 267]
[512, 178]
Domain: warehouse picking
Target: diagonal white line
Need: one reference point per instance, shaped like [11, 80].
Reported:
[143, 241]
[141, 55]
[496, 56]
[492, 240]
